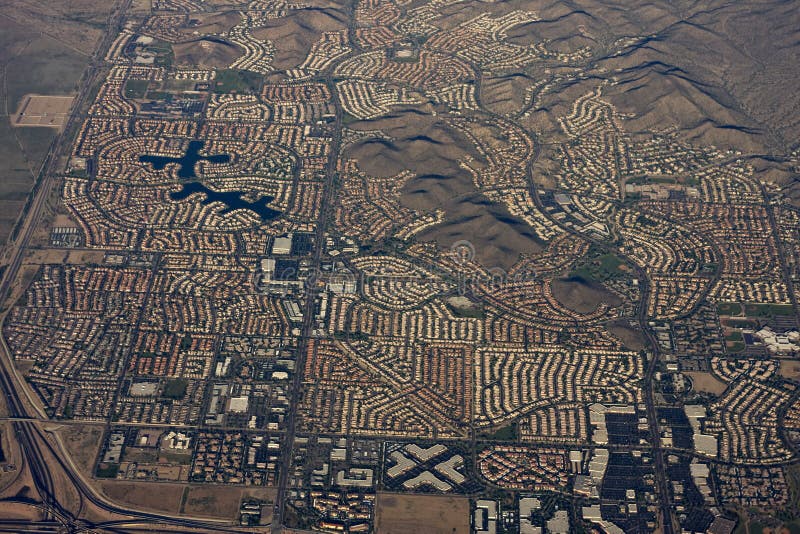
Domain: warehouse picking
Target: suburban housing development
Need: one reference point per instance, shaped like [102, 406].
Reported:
[398, 266]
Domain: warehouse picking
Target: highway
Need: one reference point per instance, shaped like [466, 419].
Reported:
[35, 446]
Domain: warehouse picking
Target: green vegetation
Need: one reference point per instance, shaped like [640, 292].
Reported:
[136, 88]
[741, 323]
[467, 312]
[163, 52]
[662, 179]
[506, 433]
[160, 95]
[175, 389]
[736, 346]
[178, 85]
[729, 308]
[348, 119]
[350, 336]
[734, 336]
[792, 473]
[768, 310]
[647, 221]
[600, 267]
[107, 470]
[710, 268]
[237, 81]
[176, 457]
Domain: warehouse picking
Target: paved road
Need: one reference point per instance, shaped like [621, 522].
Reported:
[308, 312]
[662, 482]
[40, 454]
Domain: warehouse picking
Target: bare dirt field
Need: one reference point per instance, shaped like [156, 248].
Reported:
[40, 257]
[77, 24]
[582, 296]
[706, 382]
[20, 511]
[220, 501]
[790, 369]
[71, 257]
[632, 338]
[401, 514]
[34, 63]
[12, 454]
[83, 443]
[43, 110]
[144, 495]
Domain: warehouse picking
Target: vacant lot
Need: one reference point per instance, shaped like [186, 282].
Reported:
[790, 369]
[83, 443]
[30, 62]
[76, 24]
[631, 337]
[583, 296]
[71, 257]
[706, 382]
[401, 514]
[144, 495]
[19, 511]
[43, 110]
[220, 501]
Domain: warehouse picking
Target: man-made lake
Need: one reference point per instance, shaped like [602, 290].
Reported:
[187, 162]
[233, 200]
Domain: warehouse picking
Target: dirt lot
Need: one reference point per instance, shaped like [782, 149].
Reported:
[15, 510]
[72, 257]
[43, 110]
[790, 369]
[632, 338]
[76, 24]
[401, 514]
[83, 443]
[706, 382]
[34, 63]
[144, 495]
[220, 501]
[582, 296]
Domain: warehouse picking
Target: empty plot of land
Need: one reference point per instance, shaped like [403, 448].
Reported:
[34, 64]
[221, 501]
[43, 110]
[19, 511]
[82, 443]
[211, 501]
[790, 369]
[583, 296]
[706, 382]
[631, 337]
[144, 495]
[72, 257]
[400, 514]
